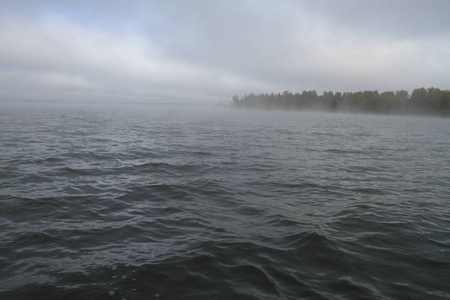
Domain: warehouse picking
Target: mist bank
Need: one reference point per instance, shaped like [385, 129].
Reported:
[421, 101]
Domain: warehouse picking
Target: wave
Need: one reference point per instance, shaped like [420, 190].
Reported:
[246, 206]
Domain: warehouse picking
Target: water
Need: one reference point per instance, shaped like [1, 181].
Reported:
[167, 202]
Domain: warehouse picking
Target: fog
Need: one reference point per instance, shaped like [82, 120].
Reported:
[207, 51]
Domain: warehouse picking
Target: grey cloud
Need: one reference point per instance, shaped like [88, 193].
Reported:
[213, 49]
[387, 18]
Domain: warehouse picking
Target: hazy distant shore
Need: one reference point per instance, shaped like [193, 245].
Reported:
[431, 101]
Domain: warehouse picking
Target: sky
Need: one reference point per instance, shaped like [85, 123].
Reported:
[209, 50]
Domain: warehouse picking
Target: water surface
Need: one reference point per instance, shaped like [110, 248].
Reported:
[188, 202]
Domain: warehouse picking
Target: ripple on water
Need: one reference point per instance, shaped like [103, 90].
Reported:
[171, 204]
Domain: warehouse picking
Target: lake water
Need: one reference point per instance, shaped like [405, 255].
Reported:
[188, 202]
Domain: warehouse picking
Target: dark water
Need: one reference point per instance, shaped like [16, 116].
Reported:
[165, 202]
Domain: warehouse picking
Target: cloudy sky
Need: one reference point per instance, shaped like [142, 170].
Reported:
[208, 50]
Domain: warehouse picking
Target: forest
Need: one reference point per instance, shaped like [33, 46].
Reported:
[421, 101]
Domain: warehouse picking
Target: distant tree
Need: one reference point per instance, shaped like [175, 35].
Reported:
[401, 98]
[418, 100]
[388, 102]
[336, 101]
[445, 102]
[433, 100]
[326, 101]
[422, 100]
[359, 102]
[372, 101]
[235, 100]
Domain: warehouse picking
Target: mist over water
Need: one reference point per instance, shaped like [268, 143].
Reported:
[192, 202]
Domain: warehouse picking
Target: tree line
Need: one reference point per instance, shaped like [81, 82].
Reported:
[431, 101]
